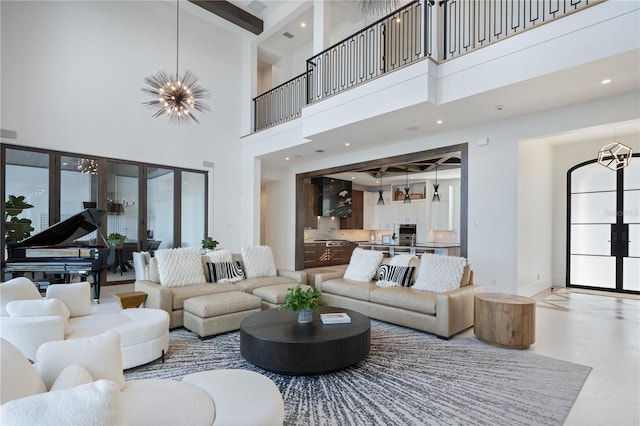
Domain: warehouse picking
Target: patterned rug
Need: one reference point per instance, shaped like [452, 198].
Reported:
[408, 378]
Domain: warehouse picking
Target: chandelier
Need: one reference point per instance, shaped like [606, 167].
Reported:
[87, 166]
[380, 192]
[173, 96]
[436, 194]
[407, 197]
[615, 156]
[377, 7]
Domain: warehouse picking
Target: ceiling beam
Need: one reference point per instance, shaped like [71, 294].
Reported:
[232, 13]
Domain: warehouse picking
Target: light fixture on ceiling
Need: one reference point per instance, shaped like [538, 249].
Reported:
[87, 166]
[407, 198]
[377, 7]
[174, 96]
[436, 195]
[615, 156]
[380, 191]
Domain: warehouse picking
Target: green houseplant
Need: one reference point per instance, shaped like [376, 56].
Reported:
[209, 243]
[115, 239]
[304, 302]
[16, 229]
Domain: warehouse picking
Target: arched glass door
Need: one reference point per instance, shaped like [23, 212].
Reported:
[603, 227]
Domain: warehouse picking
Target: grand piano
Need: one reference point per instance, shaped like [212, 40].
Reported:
[55, 250]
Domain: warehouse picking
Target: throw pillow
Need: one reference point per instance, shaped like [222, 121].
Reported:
[18, 377]
[76, 296]
[154, 274]
[72, 375]
[439, 273]
[20, 288]
[222, 255]
[180, 267]
[399, 275]
[258, 262]
[225, 272]
[37, 308]
[363, 265]
[95, 403]
[100, 355]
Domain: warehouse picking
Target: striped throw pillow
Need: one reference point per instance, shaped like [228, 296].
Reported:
[225, 272]
[394, 276]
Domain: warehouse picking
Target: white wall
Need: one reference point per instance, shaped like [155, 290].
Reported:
[493, 217]
[72, 74]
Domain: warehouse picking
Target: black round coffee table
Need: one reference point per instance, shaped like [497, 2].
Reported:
[274, 340]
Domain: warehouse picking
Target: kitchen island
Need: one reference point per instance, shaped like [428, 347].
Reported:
[444, 249]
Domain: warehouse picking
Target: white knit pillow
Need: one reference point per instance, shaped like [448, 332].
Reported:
[217, 256]
[439, 273]
[76, 296]
[95, 403]
[37, 308]
[258, 262]
[363, 265]
[180, 267]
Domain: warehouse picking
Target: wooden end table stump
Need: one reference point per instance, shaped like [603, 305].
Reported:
[505, 320]
[132, 299]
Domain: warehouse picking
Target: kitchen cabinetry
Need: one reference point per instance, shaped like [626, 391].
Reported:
[320, 254]
[355, 221]
[311, 255]
[311, 206]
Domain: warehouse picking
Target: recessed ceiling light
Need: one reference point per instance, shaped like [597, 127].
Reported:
[347, 144]
[302, 24]
[499, 107]
[439, 122]
[353, 177]
[606, 81]
[287, 158]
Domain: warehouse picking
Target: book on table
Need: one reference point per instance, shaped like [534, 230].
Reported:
[335, 318]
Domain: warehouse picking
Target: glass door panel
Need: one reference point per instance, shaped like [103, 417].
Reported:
[593, 271]
[79, 190]
[122, 216]
[193, 209]
[27, 181]
[591, 239]
[160, 207]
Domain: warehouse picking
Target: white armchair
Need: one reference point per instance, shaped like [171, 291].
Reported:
[27, 320]
[86, 375]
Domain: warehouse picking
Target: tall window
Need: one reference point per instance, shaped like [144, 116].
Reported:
[193, 208]
[78, 188]
[160, 206]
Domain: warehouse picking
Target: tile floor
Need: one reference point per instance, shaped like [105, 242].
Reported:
[588, 328]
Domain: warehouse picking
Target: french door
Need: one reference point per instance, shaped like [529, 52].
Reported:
[603, 227]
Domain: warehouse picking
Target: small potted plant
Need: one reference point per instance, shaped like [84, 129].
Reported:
[116, 239]
[303, 302]
[209, 244]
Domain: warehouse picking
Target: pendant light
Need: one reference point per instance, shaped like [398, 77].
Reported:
[436, 195]
[407, 199]
[615, 155]
[380, 199]
[173, 96]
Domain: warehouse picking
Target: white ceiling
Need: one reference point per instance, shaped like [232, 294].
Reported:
[571, 86]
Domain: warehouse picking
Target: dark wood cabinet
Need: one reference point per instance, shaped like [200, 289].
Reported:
[311, 205]
[311, 255]
[356, 221]
[319, 254]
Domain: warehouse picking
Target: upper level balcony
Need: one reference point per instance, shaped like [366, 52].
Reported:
[428, 54]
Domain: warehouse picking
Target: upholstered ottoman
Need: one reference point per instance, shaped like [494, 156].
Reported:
[272, 296]
[217, 313]
[241, 397]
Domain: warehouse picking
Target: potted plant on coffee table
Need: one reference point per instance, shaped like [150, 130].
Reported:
[303, 302]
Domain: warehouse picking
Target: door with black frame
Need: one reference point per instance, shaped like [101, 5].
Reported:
[603, 227]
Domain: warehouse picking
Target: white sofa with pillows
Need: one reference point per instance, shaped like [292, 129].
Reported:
[432, 293]
[80, 382]
[28, 320]
[172, 276]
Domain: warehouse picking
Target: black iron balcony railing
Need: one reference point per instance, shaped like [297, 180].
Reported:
[386, 45]
[418, 30]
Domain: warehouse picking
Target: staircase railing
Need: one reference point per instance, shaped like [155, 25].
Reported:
[418, 30]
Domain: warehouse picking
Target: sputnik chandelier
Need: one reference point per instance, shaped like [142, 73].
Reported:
[174, 96]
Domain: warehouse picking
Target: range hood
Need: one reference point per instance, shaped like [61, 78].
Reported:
[334, 197]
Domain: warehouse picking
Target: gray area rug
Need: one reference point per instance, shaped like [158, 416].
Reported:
[409, 378]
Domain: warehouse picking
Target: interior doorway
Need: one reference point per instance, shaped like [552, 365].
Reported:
[603, 227]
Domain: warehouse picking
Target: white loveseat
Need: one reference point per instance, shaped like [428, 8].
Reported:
[28, 320]
[80, 382]
[170, 298]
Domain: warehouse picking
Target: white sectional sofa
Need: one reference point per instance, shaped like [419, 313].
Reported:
[443, 313]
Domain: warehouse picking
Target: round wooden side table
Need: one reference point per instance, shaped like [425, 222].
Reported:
[505, 320]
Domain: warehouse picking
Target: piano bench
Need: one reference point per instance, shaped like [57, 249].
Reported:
[132, 299]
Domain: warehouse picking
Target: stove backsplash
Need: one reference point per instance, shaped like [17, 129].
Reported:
[329, 229]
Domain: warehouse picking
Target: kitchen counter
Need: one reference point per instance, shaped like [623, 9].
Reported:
[445, 249]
